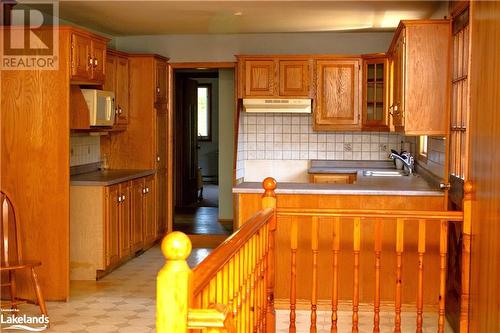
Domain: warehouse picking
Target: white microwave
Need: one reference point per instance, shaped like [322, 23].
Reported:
[101, 105]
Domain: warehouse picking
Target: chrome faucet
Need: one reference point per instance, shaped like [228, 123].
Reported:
[409, 161]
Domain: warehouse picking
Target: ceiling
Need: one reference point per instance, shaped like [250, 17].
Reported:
[221, 17]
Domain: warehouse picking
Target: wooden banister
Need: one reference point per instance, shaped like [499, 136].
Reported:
[372, 213]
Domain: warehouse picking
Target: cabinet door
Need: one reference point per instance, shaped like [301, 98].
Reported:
[375, 75]
[125, 220]
[121, 90]
[161, 81]
[110, 80]
[81, 60]
[99, 60]
[294, 78]
[112, 229]
[136, 215]
[149, 221]
[161, 194]
[338, 95]
[399, 82]
[260, 78]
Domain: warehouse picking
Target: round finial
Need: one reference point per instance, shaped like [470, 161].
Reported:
[269, 184]
[468, 187]
[176, 246]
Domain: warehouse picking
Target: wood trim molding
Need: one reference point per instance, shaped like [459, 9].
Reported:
[180, 65]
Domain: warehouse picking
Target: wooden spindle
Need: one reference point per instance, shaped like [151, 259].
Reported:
[378, 252]
[314, 291]
[293, 264]
[399, 268]
[172, 285]
[269, 201]
[355, 297]
[335, 277]
[420, 278]
[253, 263]
[443, 251]
[236, 290]
[466, 239]
[264, 278]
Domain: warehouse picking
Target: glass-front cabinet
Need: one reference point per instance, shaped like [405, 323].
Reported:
[375, 91]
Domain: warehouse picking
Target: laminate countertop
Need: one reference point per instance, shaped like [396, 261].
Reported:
[107, 177]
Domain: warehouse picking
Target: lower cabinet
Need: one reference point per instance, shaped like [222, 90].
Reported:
[109, 225]
[333, 178]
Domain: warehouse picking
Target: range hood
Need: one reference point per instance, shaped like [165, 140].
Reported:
[274, 105]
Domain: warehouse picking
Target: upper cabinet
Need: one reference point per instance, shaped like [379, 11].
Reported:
[375, 93]
[419, 66]
[117, 81]
[88, 57]
[274, 76]
[160, 81]
[338, 94]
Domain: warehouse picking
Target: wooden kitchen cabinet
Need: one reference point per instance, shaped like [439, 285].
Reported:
[117, 73]
[420, 76]
[275, 76]
[112, 225]
[160, 81]
[333, 178]
[88, 57]
[149, 216]
[136, 212]
[375, 93]
[260, 78]
[294, 78]
[338, 94]
[124, 220]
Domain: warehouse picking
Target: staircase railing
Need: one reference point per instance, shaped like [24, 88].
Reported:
[232, 290]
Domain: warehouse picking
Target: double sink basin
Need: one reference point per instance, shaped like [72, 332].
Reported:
[384, 173]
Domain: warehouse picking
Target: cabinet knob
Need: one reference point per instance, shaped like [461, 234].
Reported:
[119, 198]
[157, 158]
[157, 90]
[123, 197]
[91, 62]
[95, 62]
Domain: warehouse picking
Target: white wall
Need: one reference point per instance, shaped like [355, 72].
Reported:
[186, 48]
[226, 142]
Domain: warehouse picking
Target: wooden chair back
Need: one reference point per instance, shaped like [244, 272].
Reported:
[9, 232]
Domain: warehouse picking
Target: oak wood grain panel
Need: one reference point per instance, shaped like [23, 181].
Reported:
[149, 211]
[79, 110]
[110, 79]
[161, 81]
[427, 70]
[484, 160]
[136, 225]
[35, 167]
[111, 224]
[124, 224]
[98, 53]
[81, 67]
[294, 78]
[122, 89]
[260, 78]
[338, 95]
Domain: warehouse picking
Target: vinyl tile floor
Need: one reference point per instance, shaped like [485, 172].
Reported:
[124, 301]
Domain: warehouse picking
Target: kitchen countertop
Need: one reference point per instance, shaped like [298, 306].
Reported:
[107, 177]
[413, 185]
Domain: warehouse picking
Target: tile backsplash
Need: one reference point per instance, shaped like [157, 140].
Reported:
[84, 149]
[291, 137]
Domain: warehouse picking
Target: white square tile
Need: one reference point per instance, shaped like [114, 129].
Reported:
[278, 146]
[261, 154]
[313, 155]
[321, 155]
[261, 145]
[269, 155]
[278, 119]
[251, 154]
[295, 120]
[304, 128]
[313, 137]
[348, 137]
[251, 146]
[287, 146]
[321, 146]
[339, 137]
[261, 137]
[261, 120]
[304, 155]
[365, 155]
[287, 120]
[339, 155]
[356, 147]
[287, 154]
[313, 146]
[356, 138]
[374, 155]
[366, 138]
[356, 155]
[339, 146]
[365, 147]
[321, 137]
[269, 137]
[304, 146]
[330, 155]
[278, 155]
[295, 154]
[295, 129]
[278, 128]
[347, 155]
[286, 128]
[278, 137]
[330, 146]
[261, 129]
[304, 137]
[304, 120]
[287, 137]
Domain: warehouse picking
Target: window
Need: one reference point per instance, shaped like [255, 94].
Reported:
[422, 146]
[204, 112]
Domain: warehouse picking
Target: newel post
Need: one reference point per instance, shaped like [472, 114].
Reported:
[269, 201]
[466, 239]
[172, 285]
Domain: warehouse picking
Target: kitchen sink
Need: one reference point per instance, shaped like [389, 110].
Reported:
[384, 173]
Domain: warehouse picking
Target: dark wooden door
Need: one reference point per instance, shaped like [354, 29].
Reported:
[186, 142]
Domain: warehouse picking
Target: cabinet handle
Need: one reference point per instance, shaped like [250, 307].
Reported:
[91, 62]
[120, 111]
[158, 90]
[119, 198]
[157, 158]
[123, 197]
[144, 191]
[95, 62]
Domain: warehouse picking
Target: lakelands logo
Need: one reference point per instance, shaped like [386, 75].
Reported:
[15, 321]
[30, 35]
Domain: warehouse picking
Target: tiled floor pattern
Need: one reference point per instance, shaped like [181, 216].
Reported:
[124, 301]
[365, 322]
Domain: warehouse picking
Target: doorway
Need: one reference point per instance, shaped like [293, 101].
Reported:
[197, 153]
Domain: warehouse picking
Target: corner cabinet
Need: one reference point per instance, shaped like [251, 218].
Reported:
[338, 94]
[420, 75]
[88, 58]
[375, 93]
[275, 76]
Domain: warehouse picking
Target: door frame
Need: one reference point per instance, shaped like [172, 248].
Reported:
[172, 66]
